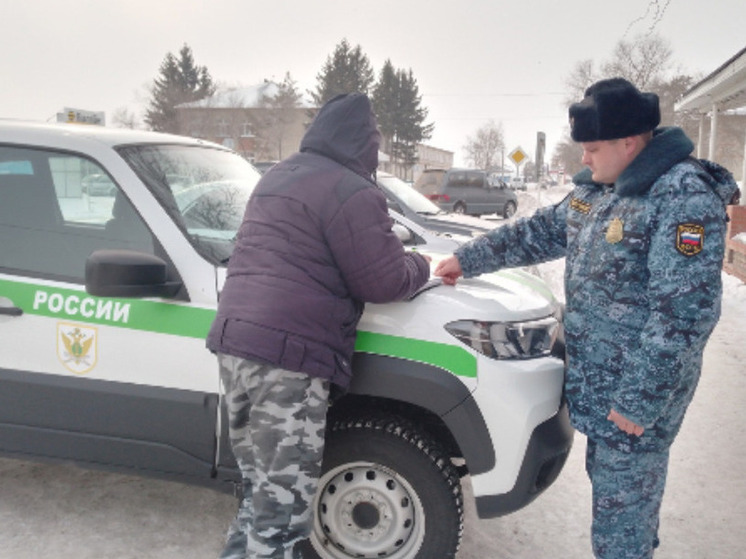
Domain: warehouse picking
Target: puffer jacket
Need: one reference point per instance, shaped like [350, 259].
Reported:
[316, 243]
[642, 281]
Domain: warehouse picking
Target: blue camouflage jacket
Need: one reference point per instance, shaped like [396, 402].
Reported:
[642, 281]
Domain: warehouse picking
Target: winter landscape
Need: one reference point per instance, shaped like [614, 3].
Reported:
[65, 512]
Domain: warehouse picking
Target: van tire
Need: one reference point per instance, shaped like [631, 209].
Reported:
[459, 208]
[387, 490]
[509, 210]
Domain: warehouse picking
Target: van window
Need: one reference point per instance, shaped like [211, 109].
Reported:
[457, 179]
[57, 208]
[475, 179]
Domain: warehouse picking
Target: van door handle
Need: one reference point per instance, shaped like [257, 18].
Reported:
[11, 311]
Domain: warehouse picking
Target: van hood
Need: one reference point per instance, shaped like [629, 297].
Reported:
[510, 295]
[505, 296]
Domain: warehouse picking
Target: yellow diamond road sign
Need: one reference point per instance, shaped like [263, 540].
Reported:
[518, 156]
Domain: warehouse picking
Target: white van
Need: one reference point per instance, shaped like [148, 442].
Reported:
[105, 301]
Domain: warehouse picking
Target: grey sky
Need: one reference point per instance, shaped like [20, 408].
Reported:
[474, 60]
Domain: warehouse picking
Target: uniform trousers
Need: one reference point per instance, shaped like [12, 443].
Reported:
[627, 494]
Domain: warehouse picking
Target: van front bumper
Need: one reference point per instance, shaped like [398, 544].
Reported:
[547, 451]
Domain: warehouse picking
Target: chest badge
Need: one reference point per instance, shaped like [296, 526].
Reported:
[615, 231]
[580, 206]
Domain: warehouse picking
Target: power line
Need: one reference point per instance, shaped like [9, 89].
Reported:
[658, 10]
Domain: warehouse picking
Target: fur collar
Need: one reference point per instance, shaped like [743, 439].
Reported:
[668, 147]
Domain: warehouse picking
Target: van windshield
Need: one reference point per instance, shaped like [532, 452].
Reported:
[203, 189]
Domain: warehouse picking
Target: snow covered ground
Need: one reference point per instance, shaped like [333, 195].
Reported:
[65, 512]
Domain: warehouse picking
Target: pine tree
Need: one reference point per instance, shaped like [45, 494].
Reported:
[347, 70]
[412, 115]
[179, 81]
[401, 117]
[386, 105]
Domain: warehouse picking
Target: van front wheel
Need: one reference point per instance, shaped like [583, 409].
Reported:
[387, 490]
[459, 208]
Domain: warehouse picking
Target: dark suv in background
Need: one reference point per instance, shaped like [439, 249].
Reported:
[467, 191]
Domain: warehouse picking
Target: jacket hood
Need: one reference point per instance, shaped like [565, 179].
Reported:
[346, 131]
[720, 180]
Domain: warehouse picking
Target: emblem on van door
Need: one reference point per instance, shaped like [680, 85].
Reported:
[77, 347]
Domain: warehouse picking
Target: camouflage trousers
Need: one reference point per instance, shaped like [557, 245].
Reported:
[277, 422]
[627, 494]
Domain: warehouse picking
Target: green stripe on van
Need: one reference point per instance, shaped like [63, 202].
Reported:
[452, 358]
[136, 314]
[194, 322]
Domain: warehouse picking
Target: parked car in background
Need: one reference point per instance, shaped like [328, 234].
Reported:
[518, 183]
[467, 191]
[404, 199]
[97, 184]
[263, 166]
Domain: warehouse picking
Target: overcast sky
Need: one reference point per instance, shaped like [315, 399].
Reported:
[474, 60]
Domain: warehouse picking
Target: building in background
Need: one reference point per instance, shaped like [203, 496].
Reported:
[428, 157]
[246, 120]
[720, 96]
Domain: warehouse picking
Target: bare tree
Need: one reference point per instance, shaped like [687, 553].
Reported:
[484, 150]
[282, 111]
[567, 156]
[643, 61]
[124, 118]
[582, 76]
[646, 62]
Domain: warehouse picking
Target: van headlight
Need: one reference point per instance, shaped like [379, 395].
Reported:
[507, 340]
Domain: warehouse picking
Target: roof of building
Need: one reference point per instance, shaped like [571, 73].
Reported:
[725, 87]
[241, 97]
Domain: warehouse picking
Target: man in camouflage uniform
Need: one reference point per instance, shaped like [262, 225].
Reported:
[315, 245]
[643, 236]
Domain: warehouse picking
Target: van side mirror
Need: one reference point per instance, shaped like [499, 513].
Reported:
[126, 273]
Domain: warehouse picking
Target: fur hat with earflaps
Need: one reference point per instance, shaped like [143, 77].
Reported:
[613, 109]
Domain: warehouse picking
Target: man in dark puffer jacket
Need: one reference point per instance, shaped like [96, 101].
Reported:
[316, 243]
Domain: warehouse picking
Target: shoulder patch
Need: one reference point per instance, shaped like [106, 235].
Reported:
[580, 206]
[690, 238]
